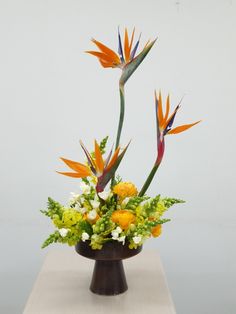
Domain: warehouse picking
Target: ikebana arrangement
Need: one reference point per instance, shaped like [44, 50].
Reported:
[109, 214]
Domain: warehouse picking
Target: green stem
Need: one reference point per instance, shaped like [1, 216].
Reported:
[122, 113]
[121, 120]
[149, 180]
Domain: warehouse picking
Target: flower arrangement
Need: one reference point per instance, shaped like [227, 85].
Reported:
[118, 212]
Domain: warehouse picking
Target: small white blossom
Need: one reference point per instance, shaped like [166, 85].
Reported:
[121, 239]
[80, 209]
[74, 198]
[92, 214]
[85, 236]
[115, 234]
[77, 206]
[104, 195]
[85, 188]
[83, 210]
[118, 229]
[63, 232]
[95, 204]
[137, 239]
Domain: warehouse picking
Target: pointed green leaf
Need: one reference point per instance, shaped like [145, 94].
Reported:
[132, 66]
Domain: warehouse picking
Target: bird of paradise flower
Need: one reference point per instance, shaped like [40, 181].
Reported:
[164, 124]
[102, 169]
[127, 60]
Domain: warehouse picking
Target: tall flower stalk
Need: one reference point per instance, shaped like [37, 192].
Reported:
[122, 113]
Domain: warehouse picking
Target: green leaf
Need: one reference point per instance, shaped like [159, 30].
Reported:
[133, 65]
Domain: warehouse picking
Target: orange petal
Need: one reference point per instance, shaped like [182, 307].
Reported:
[159, 110]
[167, 108]
[156, 231]
[76, 166]
[98, 158]
[182, 128]
[73, 174]
[107, 64]
[101, 55]
[123, 218]
[126, 46]
[131, 41]
[107, 51]
[114, 158]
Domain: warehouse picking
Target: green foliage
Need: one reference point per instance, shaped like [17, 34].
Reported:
[103, 144]
[104, 225]
[171, 201]
[134, 202]
[54, 208]
[108, 205]
[116, 180]
[85, 180]
[84, 226]
[53, 238]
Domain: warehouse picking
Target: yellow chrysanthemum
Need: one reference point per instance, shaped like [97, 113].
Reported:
[156, 231]
[123, 218]
[125, 189]
[70, 217]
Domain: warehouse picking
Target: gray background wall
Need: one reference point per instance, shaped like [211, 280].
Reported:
[52, 94]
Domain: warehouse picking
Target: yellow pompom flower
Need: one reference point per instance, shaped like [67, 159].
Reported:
[123, 218]
[125, 189]
[70, 217]
[156, 231]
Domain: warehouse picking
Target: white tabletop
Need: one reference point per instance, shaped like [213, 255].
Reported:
[62, 287]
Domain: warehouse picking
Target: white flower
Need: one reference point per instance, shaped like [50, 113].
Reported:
[80, 209]
[63, 232]
[92, 214]
[121, 239]
[115, 234]
[118, 229]
[85, 188]
[74, 198]
[85, 236]
[104, 195]
[95, 204]
[137, 239]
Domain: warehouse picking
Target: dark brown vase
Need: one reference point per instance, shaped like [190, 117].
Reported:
[108, 273]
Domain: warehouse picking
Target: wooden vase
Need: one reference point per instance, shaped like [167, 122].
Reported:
[108, 273]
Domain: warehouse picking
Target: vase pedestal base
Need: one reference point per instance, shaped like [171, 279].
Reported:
[108, 278]
[108, 273]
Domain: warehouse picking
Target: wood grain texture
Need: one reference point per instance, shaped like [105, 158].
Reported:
[62, 287]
